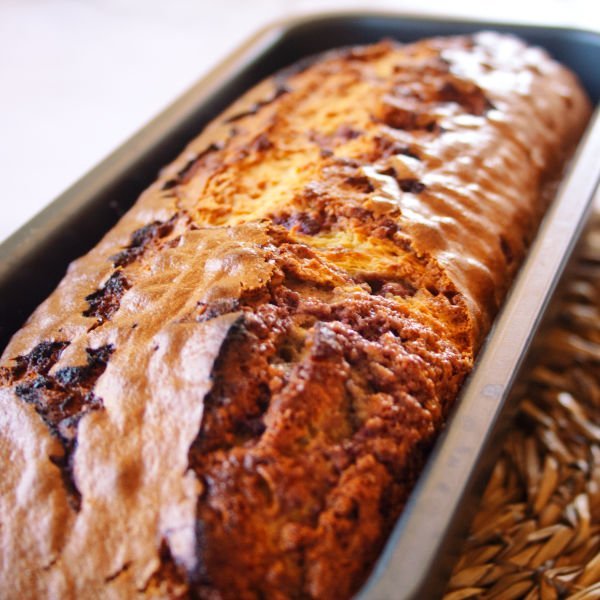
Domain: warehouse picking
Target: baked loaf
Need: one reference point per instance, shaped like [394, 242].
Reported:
[233, 393]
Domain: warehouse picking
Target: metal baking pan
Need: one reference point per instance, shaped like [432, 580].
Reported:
[418, 556]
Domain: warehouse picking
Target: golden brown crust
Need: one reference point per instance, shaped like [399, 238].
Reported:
[233, 393]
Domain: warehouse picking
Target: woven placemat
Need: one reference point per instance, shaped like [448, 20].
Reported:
[536, 534]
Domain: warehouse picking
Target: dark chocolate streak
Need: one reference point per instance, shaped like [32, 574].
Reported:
[191, 167]
[140, 239]
[279, 91]
[470, 97]
[60, 399]
[386, 147]
[103, 303]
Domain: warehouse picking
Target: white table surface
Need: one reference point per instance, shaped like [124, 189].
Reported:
[77, 78]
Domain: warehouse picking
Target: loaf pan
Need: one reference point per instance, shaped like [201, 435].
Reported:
[418, 557]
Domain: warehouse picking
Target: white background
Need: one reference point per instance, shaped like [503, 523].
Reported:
[78, 77]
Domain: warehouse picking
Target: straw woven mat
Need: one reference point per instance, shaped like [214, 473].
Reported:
[536, 534]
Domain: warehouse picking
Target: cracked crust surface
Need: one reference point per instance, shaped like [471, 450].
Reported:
[232, 395]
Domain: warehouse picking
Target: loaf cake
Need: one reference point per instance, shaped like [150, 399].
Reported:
[233, 393]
